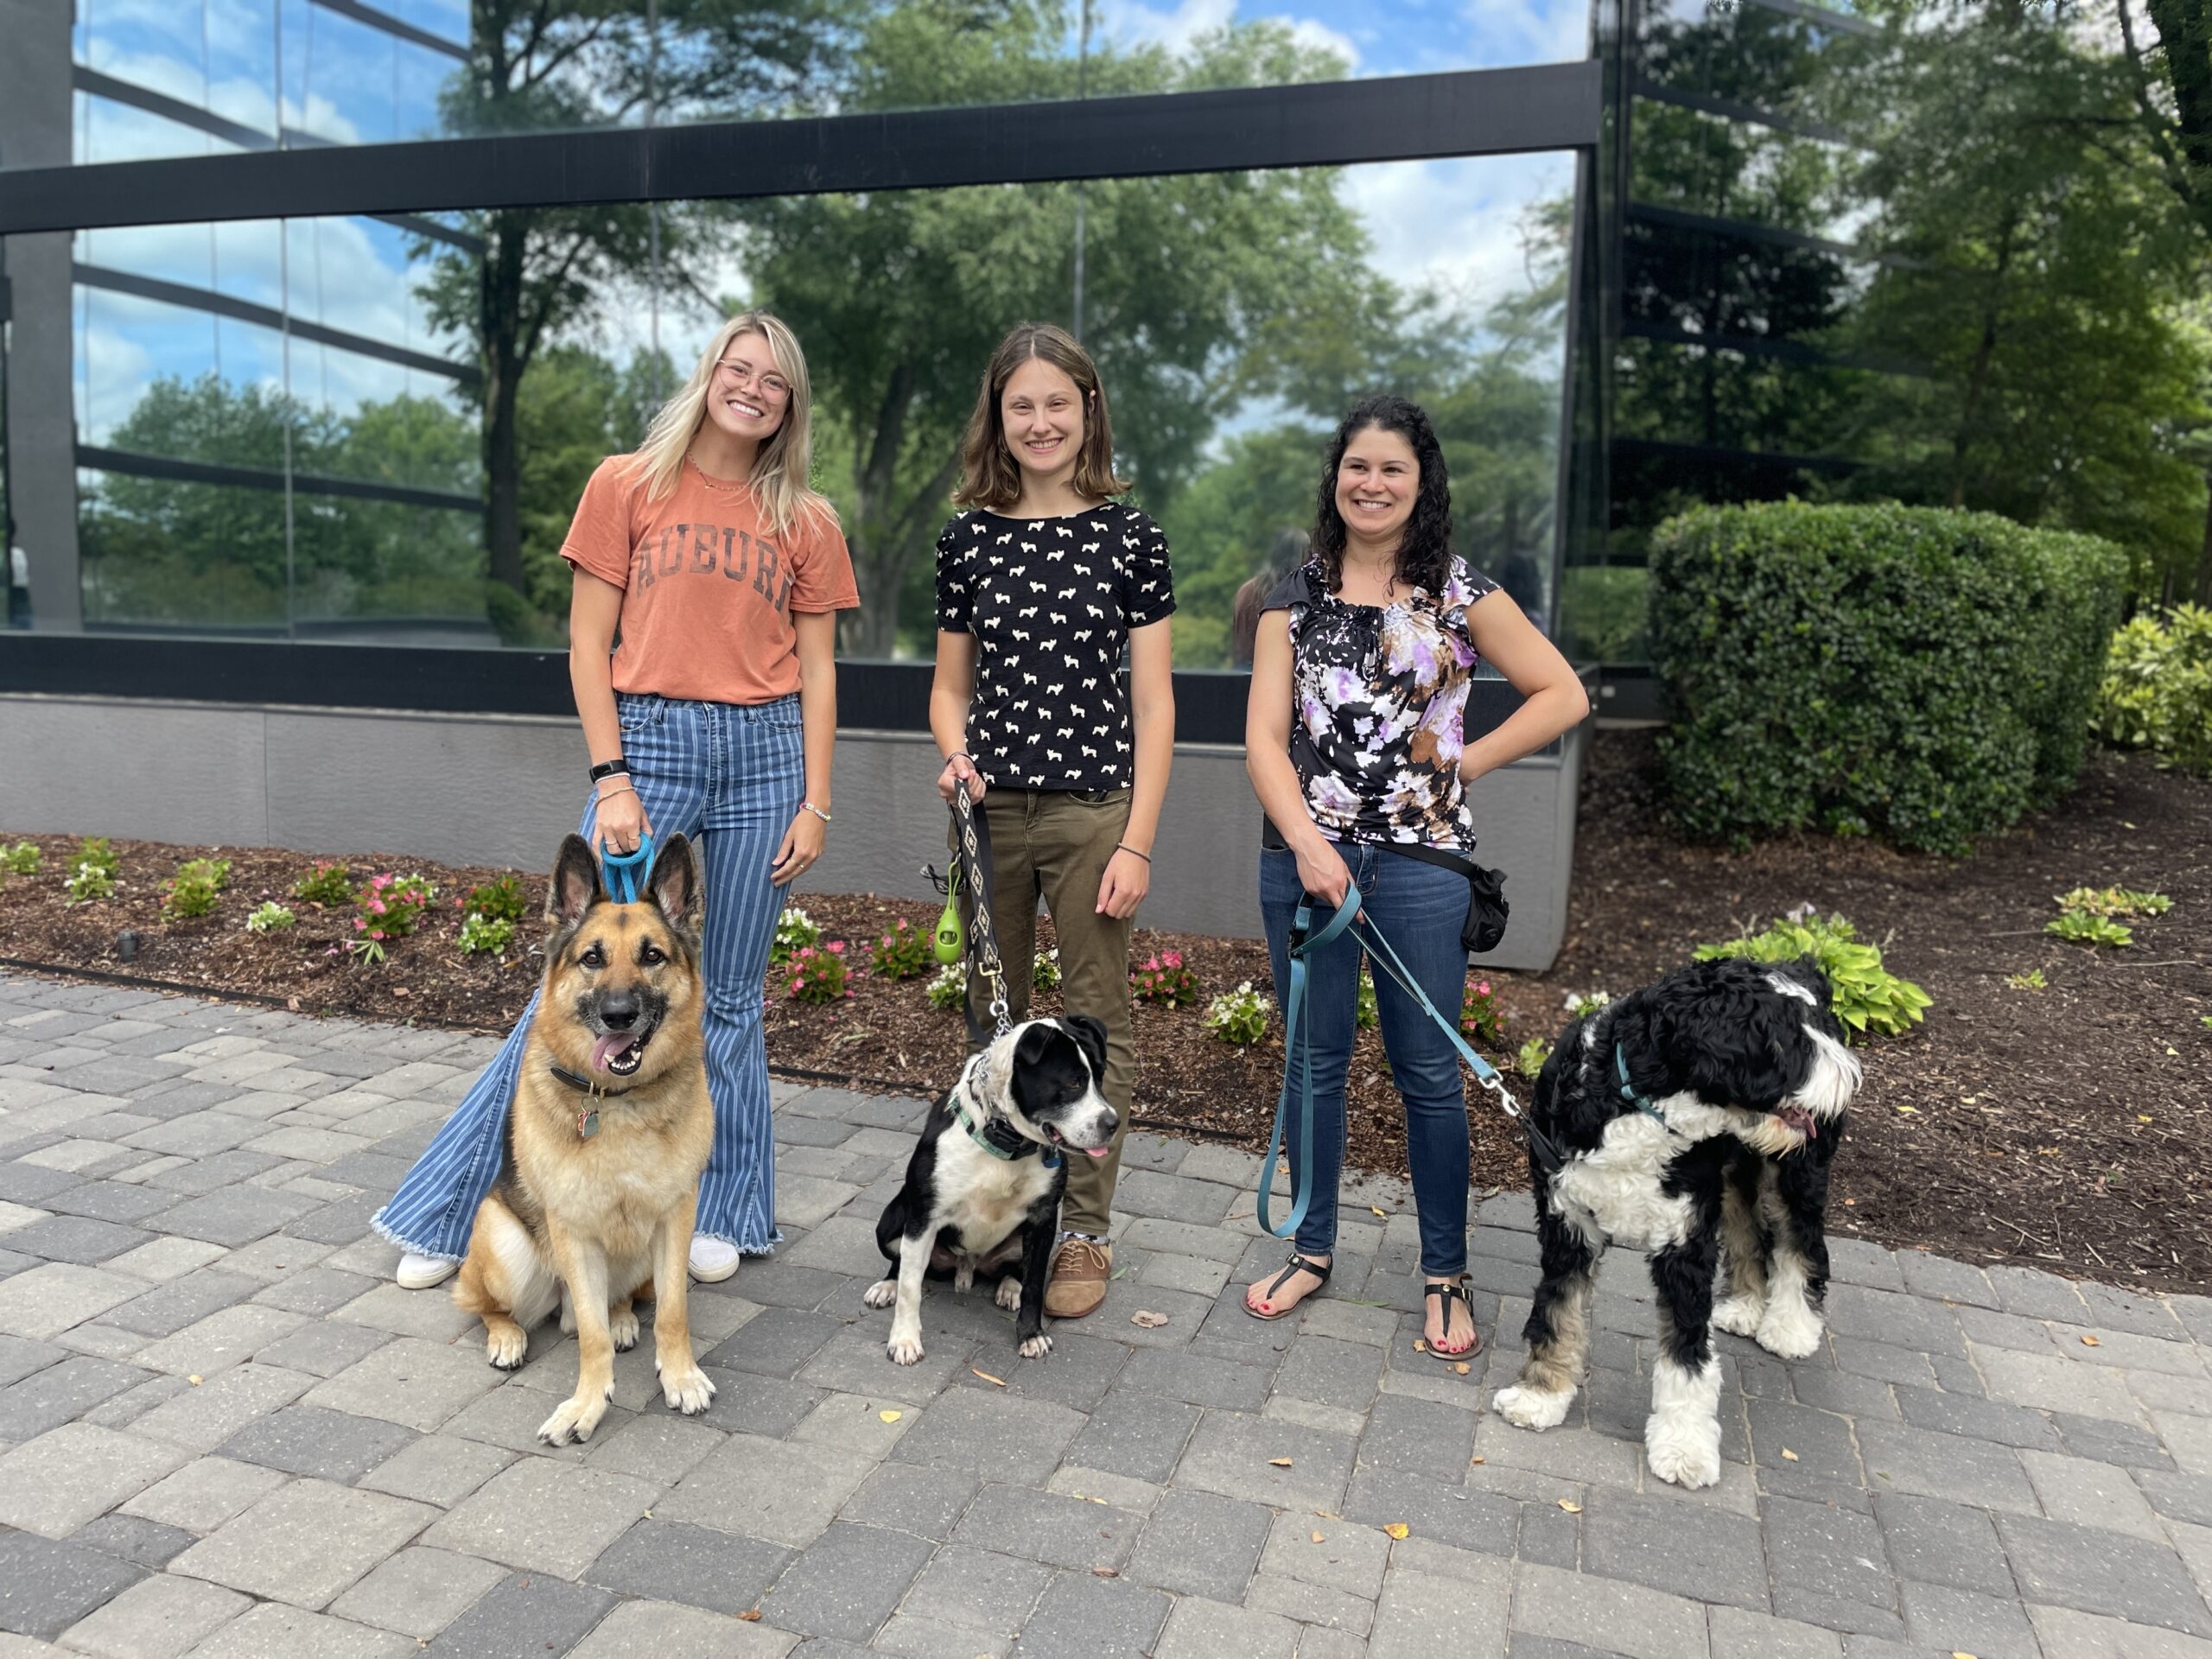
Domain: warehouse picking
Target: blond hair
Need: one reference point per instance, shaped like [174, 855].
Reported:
[781, 470]
[990, 477]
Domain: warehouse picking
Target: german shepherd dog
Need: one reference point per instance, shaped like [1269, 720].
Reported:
[609, 1131]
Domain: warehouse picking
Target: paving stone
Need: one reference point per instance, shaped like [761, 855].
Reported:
[22, 1183]
[1977, 1419]
[1045, 1527]
[1737, 1633]
[2085, 1635]
[1198, 1629]
[2037, 1295]
[512, 1417]
[2107, 1441]
[1883, 1361]
[305, 1543]
[2189, 1439]
[977, 1590]
[1137, 1435]
[1598, 1458]
[1990, 1627]
[1235, 1454]
[419, 1591]
[1080, 1617]
[1422, 1614]
[121, 1202]
[182, 1302]
[311, 1440]
[1331, 1372]
[1349, 1557]
[158, 1618]
[199, 1419]
[1821, 1446]
[234, 1215]
[1822, 1551]
[2179, 1496]
[776, 1342]
[847, 1583]
[2103, 1572]
[1218, 1382]
[146, 1542]
[786, 1493]
[525, 1616]
[1683, 1548]
[659, 1448]
[672, 1562]
[2090, 1494]
[852, 1362]
[54, 1485]
[204, 1493]
[924, 1501]
[1003, 1438]
[1418, 1434]
[1932, 1542]
[46, 1586]
[79, 1239]
[1942, 1279]
[59, 1394]
[1903, 1459]
[544, 1516]
[1436, 1511]
[1624, 1618]
[21, 1357]
[671, 1632]
[918, 1638]
[223, 1338]
[1077, 1373]
[408, 1380]
[1198, 1544]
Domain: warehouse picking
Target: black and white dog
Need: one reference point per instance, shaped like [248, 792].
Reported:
[985, 1181]
[1694, 1120]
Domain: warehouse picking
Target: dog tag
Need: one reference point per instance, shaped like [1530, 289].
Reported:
[587, 1123]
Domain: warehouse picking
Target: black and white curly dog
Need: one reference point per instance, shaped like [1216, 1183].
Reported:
[1695, 1120]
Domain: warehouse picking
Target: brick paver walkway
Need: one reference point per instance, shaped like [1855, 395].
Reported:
[224, 1431]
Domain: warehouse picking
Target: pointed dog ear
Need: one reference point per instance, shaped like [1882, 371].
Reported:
[576, 886]
[674, 882]
[1089, 1037]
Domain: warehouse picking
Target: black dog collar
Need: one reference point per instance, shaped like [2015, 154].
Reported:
[587, 1118]
[994, 1134]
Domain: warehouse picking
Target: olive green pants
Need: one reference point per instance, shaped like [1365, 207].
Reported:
[1055, 844]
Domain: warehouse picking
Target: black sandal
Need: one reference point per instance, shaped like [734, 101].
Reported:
[1298, 1264]
[1445, 1293]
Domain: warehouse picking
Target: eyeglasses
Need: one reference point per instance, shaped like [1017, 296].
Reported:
[769, 383]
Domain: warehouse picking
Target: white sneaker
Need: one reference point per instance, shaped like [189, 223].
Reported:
[712, 1259]
[421, 1271]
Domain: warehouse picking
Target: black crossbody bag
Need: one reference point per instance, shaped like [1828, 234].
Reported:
[1487, 911]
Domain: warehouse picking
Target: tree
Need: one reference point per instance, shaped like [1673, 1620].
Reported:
[543, 273]
[901, 296]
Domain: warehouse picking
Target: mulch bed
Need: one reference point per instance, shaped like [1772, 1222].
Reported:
[2062, 1127]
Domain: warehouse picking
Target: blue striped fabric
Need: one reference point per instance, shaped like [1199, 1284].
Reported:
[731, 777]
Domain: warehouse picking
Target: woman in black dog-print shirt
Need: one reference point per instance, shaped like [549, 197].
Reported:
[1041, 586]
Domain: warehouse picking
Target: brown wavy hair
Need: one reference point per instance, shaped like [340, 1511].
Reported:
[990, 477]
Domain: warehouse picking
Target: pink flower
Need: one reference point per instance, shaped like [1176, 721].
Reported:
[1482, 988]
[836, 947]
[1170, 958]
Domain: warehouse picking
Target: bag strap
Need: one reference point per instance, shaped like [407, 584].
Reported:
[1454, 861]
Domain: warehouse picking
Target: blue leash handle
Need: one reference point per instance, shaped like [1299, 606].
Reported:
[1383, 956]
[627, 873]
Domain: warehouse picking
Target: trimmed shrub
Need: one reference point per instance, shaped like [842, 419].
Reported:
[2156, 693]
[1912, 673]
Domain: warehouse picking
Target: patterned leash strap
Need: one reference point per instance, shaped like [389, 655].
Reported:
[982, 939]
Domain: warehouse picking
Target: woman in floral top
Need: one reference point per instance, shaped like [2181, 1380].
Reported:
[1354, 743]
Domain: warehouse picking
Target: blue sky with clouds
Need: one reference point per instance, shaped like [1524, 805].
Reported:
[1451, 223]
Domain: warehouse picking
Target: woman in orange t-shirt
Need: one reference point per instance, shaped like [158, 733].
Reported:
[715, 716]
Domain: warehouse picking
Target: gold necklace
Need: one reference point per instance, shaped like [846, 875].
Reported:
[715, 483]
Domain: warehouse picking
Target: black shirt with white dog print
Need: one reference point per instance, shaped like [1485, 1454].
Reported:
[1051, 602]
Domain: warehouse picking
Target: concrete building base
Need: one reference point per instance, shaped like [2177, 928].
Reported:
[502, 790]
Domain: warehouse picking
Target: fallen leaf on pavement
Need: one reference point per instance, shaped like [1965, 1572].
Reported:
[751, 1615]
[1481, 1459]
[998, 1381]
[1319, 1539]
[1398, 1529]
[1463, 1368]
[1385, 1214]
[1788, 1455]
[1104, 1573]
[1147, 1319]
[890, 1416]
[196, 1379]
[1421, 1346]
[1279, 1463]
[1570, 1506]
[2091, 1342]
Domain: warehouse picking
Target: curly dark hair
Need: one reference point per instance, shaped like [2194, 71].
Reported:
[1425, 549]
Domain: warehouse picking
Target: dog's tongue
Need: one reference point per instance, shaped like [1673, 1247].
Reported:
[1095, 1152]
[607, 1047]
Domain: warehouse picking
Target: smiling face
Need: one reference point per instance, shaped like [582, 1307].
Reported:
[621, 971]
[1053, 1075]
[1377, 482]
[1041, 412]
[748, 396]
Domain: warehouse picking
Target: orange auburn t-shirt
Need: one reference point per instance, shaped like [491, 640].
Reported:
[708, 590]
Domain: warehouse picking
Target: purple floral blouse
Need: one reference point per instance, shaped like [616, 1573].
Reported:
[1378, 693]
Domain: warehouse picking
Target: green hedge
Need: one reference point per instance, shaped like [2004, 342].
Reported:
[1907, 672]
[2158, 688]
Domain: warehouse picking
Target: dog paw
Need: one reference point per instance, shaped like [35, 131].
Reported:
[1035, 1347]
[689, 1391]
[881, 1293]
[572, 1422]
[1739, 1315]
[963, 1278]
[1690, 1463]
[904, 1351]
[1009, 1293]
[1532, 1408]
[623, 1327]
[1790, 1330]
[507, 1349]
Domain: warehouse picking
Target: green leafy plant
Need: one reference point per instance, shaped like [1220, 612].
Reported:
[194, 889]
[1044, 970]
[2157, 690]
[269, 917]
[2205, 1020]
[387, 907]
[817, 973]
[903, 952]
[326, 883]
[2114, 901]
[1530, 1057]
[1870, 1000]
[1480, 1017]
[1365, 1014]
[1580, 1005]
[2031, 981]
[501, 900]
[1920, 675]
[96, 872]
[1162, 979]
[1239, 1016]
[795, 930]
[22, 858]
[948, 988]
[2080, 927]
[486, 936]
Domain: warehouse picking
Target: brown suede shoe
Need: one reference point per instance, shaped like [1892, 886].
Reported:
[1080, 1270]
